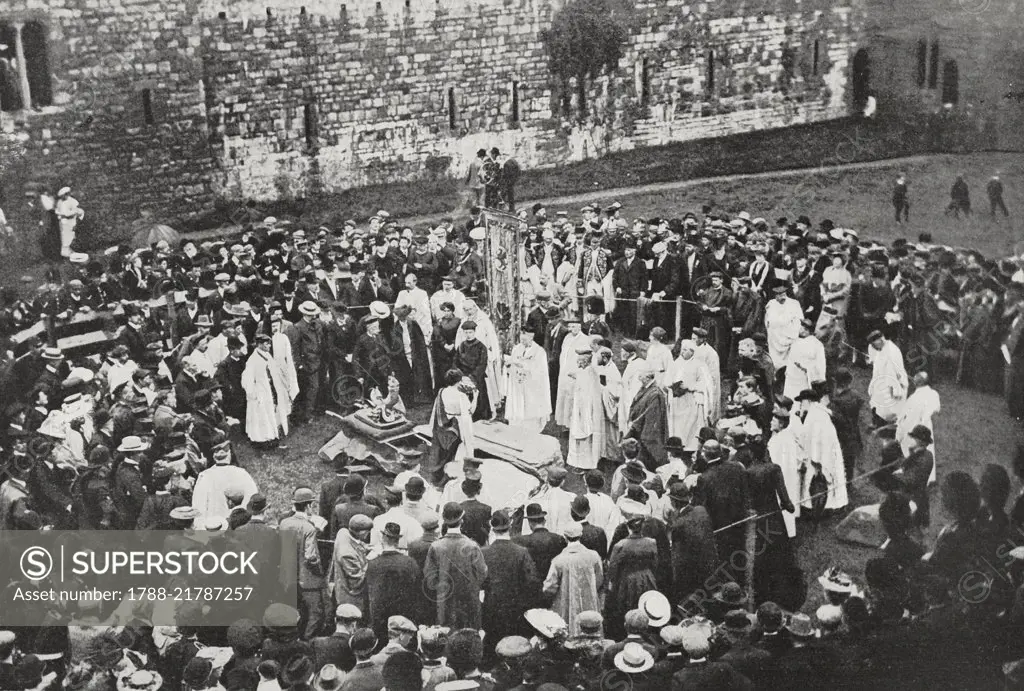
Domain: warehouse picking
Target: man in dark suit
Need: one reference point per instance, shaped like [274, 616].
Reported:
[722, 489]
[333, 489]
[556, 332]
[134, 337]
[629, 279]
[476, 525]
[594, 538]
[392, 583]
[512, 585]
[372, 358]
[664, 286]
[537, 319]
[335, 649]
[694, 554]
[354, 504]
[308, 345]
[541, 543]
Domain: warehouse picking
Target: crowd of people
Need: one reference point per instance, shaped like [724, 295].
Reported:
[703, 368]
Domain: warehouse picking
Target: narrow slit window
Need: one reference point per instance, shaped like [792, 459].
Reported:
[452, 115]
[147, 106]
[645, 83]
[711, 73]
[815, 58]
[933, 66]
[922, 63]
[515, 102]
[310, 125]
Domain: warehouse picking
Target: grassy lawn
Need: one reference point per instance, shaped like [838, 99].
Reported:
[860, 199]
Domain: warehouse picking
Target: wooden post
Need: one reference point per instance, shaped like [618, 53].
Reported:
[679, 318]
[172, 315]
[51, 330]
[751, 548]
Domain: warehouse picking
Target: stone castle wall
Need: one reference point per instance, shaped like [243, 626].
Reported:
[290, 98]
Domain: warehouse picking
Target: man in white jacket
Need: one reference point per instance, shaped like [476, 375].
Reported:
[268, 401]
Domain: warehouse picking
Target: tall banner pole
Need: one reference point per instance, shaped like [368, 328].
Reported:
[502, 268]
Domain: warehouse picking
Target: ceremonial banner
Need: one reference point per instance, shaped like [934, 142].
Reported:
[500, 250]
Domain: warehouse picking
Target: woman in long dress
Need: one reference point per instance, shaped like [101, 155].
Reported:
[451, 422]
[774, 557]
[687, 399]
[659, 356]
[442, 342]
[631, 568]
[836, 285]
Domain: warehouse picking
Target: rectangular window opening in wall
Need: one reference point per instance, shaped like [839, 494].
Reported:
[147, 106]
[25, 79]
[816, 57]
[515, 102]
[711, 73]
[922, 63]
[311, 125]
[222, 15]
[270, 13]
[645, 83]
[933, 66]
[453, 116]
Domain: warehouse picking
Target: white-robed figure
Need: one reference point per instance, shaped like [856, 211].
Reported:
[486, 334]
[806, 362]
[527, 384]
[785, 451]
[782, 317]
[268, 399]
[820, 442]
[887, 391]
[659, 357]
[419, 302]
[687, 396]
[209, 497]
[707, 354]
[69, 213]
[568, 364]
[593, 427]
[919, 409]
[631, 383]
[281, 350]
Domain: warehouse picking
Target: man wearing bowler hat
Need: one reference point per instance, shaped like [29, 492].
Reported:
[542, 544]
[513, 585]
[392, 584]
[454, 573]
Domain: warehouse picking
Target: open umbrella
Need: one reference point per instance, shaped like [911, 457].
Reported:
[148, 235]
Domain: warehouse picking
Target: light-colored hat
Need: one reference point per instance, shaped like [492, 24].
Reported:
[659, 247]
[656, 606]
[222, 277]
[184, 513]
[547, 623]
[309, 308]
[379, 309]
[142, 680]
[63, 190]
[78, 258]
[634, 659]
[329, 678]
[53, 354]
[573, 531]
[132, 444]
[478, 233]
[548, 234]
[399, 623]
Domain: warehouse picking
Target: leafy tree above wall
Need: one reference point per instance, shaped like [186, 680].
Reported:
[586, 39]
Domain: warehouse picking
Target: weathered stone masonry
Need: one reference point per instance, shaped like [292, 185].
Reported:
[171, 105]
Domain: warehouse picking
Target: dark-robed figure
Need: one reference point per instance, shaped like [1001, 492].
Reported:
[773, 554]
[442, 342]
[409, 357]
[648, 421]
[471, 360]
